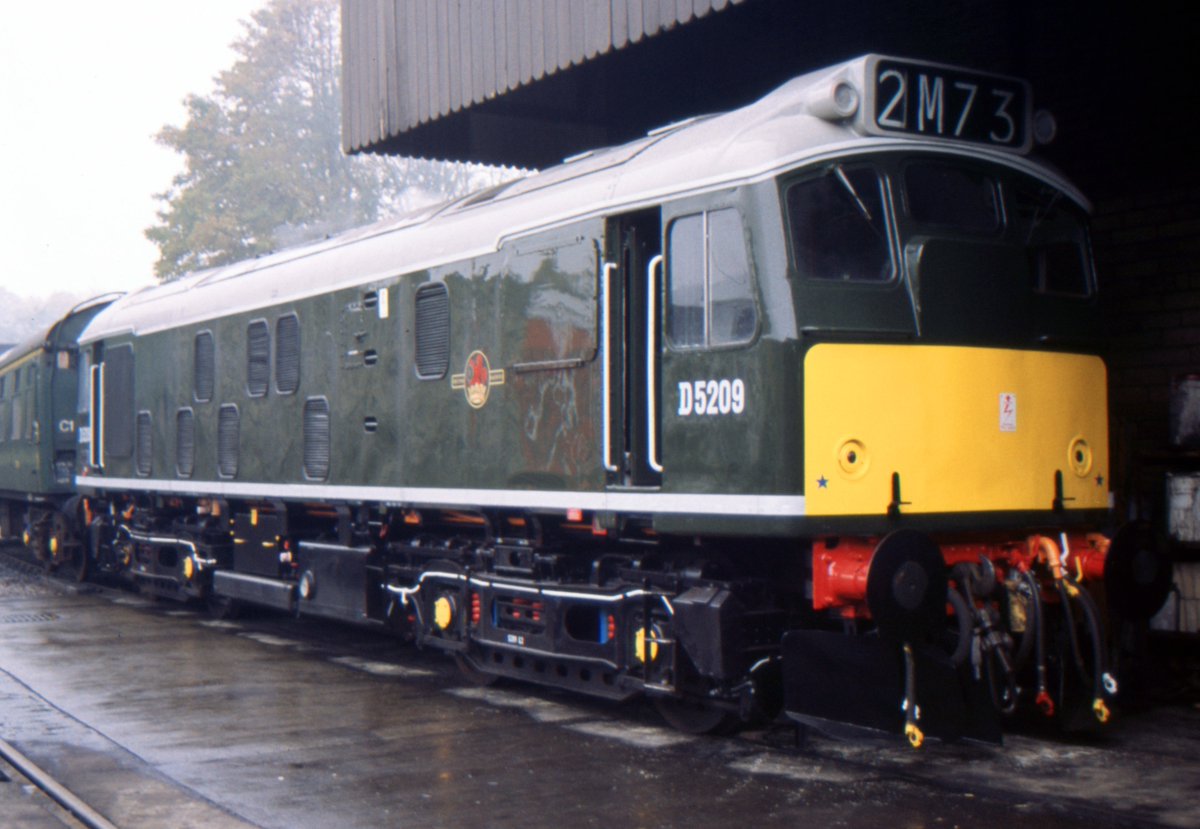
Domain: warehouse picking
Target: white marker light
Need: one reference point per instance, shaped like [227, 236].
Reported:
[836, 103]
[1045, 126]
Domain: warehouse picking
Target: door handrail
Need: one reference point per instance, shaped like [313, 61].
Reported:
[651, 365]
[606, 365]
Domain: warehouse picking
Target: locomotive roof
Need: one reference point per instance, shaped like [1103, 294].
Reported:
[778, 132]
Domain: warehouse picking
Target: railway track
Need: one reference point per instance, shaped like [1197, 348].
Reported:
[41, 791]
[63, 805]
[1104, 791]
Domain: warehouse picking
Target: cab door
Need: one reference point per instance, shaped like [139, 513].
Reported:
[90, 408]
[725, 406]
[110, 405]
[632, 345]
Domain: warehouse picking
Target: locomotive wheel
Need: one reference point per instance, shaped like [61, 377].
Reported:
[80, 564]
[222, 607]
[1137, 573]
[472, 673]
[58, 540]
[695, 717]
[906, 585]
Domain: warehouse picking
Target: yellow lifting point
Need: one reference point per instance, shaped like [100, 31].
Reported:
[1101, 710]
[916, 737]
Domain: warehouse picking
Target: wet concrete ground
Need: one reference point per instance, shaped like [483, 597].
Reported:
[160, 717]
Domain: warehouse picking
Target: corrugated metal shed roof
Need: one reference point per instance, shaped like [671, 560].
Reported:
[410, 62]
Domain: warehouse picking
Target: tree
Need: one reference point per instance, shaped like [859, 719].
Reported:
[263, 166]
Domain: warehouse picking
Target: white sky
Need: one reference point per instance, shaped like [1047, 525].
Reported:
[84, 87]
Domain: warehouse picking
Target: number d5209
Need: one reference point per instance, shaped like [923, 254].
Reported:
[711, 397]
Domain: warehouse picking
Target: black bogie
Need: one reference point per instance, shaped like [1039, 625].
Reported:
[520, 611]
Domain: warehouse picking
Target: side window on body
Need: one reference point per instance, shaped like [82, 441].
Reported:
[18, 408]
[710, 294]
[31, 424]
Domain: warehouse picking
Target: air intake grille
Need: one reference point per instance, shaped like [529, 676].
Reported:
[228, 428]
[185, 443]
[287, 354]
[433, 331]
[316, 439]
[258, 358]
[145, 444]
[204, 367]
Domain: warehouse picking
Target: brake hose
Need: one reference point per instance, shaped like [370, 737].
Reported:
[991, 644]
[1043, 699]
[1032, 613]
[1092, 616]
[963, 614]
[1064, 591]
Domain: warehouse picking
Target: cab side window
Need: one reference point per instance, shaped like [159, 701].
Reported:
[710, 294]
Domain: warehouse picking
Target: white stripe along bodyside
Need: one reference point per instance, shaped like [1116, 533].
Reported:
[774, 506]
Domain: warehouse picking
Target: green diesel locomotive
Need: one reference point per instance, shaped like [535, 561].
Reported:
[38, 404]
[799, 405]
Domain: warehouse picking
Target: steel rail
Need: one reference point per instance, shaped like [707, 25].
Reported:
[53, 789]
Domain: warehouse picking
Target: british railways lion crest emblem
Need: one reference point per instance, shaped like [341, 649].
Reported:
[477, 379]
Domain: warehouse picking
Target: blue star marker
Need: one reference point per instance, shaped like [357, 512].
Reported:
[822, 482]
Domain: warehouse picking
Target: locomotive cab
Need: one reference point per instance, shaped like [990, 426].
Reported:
[952, 385]
[955, 446]
[950, 342]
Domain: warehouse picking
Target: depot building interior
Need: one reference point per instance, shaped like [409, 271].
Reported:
[529, 84]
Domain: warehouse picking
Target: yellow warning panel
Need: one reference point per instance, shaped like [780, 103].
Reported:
[966, 429]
